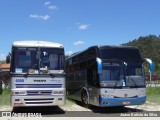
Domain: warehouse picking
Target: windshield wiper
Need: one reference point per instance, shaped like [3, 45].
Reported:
[25, 75]
[133, 81]
[115, 85]
[33, 66]
[52, 75]
[120, 83]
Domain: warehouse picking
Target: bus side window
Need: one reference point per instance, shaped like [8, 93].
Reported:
[92, 76]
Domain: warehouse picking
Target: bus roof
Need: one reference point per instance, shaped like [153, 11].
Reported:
[103, 46]
[36, 44]
[113, 46]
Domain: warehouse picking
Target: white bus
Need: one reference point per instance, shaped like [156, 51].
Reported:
[37, 74]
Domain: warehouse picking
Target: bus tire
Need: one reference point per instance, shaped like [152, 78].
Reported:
[85, 98]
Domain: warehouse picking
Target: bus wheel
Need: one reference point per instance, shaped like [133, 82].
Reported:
[85, 98]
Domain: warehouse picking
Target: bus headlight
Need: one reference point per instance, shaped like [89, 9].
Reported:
[107, 96]
[18, 93]
[142, 93]
[58, 92]
[110, 96]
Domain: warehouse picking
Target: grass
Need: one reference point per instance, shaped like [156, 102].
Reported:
[69, 102]
[153, 90]
[154, 99]
[153, 94]
[5, 97]
[4, 100]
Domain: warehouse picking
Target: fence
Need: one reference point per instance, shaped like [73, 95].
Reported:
[155, 80]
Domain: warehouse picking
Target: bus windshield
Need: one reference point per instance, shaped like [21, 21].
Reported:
[119, 53]
[51, 59]
[134, 74]
[113, 74]
[37, 60]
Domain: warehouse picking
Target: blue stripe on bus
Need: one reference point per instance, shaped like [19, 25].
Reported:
[120, 101]
[38, 85]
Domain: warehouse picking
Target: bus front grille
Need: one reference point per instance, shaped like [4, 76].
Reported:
[39, 101]
[126, 97]
[39, 92]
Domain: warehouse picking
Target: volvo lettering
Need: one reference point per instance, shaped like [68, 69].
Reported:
[39, 80]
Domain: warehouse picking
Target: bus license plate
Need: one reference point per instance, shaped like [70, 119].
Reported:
[126, 102]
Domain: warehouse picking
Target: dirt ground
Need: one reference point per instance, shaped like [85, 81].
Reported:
[75, 107]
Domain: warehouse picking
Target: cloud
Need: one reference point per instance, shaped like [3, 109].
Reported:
[50, 6]
[43, 17]
[78, 43]
[83, 26]
[47, 3]
[69, 53]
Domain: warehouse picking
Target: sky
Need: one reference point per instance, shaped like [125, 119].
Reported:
[77, 24]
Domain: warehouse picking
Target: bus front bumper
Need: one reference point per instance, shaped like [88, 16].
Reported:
[20, 101]
[109, 102]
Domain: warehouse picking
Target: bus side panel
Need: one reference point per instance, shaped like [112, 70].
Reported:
[93, 95]
[76, 81]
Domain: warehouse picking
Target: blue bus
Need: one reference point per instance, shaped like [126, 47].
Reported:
[106, 76]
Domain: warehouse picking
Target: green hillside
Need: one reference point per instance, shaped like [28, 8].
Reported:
[149, 47]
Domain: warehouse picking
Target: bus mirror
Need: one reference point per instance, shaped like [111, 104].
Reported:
[151, 64]
[125, 64]
[99, 65]
[8, 58]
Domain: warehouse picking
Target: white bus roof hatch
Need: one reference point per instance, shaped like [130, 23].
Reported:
[36, 44]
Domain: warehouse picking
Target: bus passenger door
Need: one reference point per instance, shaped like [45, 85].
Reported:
[93, 85]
